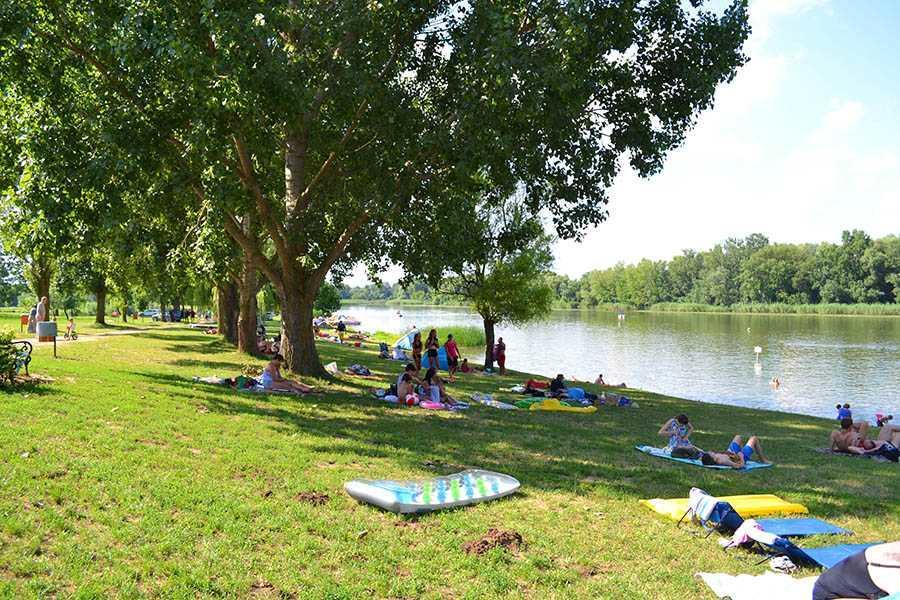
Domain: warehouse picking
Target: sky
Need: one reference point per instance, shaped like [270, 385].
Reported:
[803, 144]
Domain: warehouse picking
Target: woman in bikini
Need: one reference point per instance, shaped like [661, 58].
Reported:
[417, 351]
[273, 380]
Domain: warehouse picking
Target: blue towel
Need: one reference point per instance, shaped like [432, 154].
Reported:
[828, 556]
[661, 453]
[800, 527]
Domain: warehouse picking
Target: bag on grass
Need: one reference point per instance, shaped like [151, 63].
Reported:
[711, 513]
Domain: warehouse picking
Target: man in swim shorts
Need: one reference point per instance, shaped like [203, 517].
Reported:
[852, 439]
[737, 455]
[848, 435]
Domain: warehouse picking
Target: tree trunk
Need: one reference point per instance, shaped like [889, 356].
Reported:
[100, 292]
[247, 309]
[227, 294]
[298, 342]
[125, 314]
[488, 344]
[43, 273]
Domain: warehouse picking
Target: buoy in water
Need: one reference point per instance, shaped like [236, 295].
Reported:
[758, 351]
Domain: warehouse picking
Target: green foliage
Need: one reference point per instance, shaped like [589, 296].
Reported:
[8, 357]
[328, 300]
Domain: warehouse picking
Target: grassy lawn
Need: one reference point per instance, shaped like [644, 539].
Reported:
[124, 478]
[84, 324]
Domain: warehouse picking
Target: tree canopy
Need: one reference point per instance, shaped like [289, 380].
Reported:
[314, 130]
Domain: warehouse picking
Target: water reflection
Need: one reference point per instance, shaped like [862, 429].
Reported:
[820, 361]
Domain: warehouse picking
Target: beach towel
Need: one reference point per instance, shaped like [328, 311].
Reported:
[756, 505]
[800, 527]
[874, 457]
[771, 586]
[824, 557]
[488, 400]
[663, 453]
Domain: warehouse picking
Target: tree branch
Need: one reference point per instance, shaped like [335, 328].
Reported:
[248, 178]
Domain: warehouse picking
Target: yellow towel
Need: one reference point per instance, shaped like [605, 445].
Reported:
[758, 505]
[553, 404]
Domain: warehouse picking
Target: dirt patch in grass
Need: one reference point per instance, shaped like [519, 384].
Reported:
[314, 498]
[495, 538]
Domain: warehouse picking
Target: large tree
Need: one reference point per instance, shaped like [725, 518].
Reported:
[339, 120]
[495, 258]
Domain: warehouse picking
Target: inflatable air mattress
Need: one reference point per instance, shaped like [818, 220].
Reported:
[552, 404]
[747, 506]
[466, 487]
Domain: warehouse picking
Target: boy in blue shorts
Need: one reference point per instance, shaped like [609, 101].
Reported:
[737, 454]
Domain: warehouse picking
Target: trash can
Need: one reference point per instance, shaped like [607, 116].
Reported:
[46, 331]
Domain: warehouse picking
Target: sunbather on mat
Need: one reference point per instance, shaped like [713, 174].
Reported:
[273, 380]
[737, 454]
[678, 430]
[851, 438]
[872, 573]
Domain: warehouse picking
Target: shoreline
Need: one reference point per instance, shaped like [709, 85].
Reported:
[713, 310]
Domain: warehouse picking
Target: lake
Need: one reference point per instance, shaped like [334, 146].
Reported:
[820, 360]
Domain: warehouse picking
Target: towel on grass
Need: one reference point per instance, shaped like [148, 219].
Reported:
[662, 453]
[874, 457]
[771, 586]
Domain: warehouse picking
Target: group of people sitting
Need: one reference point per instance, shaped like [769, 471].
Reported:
[678, 431]
[412, 390]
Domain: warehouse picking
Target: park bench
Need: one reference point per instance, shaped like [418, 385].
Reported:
[23, 354]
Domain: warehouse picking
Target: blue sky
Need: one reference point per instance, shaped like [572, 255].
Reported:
[804, 143]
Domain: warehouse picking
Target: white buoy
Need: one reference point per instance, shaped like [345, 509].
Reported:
[758, 351]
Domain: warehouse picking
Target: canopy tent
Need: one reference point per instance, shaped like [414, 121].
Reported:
[405, 342]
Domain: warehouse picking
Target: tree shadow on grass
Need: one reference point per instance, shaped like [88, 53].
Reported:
[552, 452]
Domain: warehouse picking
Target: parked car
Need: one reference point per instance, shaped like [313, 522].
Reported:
[150, 312]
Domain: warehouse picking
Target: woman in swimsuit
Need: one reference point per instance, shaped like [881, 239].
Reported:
[273, 380]
[431, 347]
[417, 351]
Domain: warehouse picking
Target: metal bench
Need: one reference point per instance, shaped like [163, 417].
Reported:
[23, 356]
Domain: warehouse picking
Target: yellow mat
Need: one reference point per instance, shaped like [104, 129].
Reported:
[747, 506]
[555, 405]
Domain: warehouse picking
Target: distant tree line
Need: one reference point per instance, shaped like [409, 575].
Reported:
[859, 270]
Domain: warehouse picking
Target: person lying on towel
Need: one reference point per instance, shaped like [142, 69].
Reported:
[737, 455]
[273, 380]
[870, 573]
[851, 438]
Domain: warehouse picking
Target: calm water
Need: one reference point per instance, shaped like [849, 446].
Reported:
[710, 357]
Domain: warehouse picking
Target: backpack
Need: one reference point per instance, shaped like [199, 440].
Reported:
[888, 451]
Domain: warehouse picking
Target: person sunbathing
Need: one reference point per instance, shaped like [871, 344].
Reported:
[737, 455]
[678, 430]
[273, 380]
[849, 435]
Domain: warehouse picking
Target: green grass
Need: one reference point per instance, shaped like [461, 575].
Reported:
[84, 324]
[469, 337]
[123, 478]
[875, 310]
